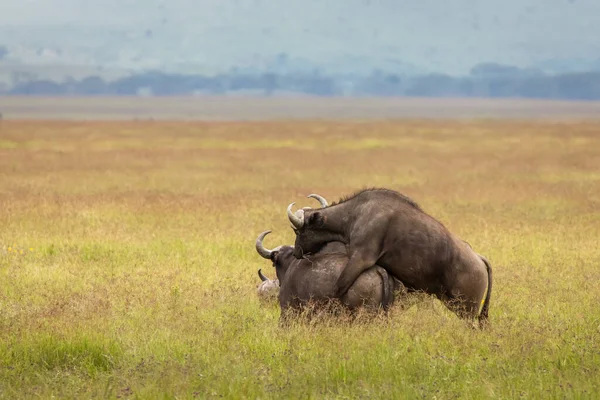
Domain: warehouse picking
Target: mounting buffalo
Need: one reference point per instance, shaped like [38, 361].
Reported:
[384, 227]
[313, 278]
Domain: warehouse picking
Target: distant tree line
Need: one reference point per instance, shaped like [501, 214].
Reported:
[485, 80]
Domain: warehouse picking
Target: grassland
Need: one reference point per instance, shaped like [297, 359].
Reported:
[127, 267]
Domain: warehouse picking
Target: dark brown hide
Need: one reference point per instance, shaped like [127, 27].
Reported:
[313, 279]
[384, 227]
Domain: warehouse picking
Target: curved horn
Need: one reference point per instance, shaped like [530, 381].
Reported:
[261, 276]
[320, 199]
[260, 248]
[297, 221]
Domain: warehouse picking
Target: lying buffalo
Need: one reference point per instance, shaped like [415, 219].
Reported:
[267, 288]
[313, 278]
[384, 227]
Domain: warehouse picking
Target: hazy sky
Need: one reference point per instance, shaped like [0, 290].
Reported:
[449, 35]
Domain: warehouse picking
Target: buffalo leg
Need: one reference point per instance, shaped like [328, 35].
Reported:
[356, 265]
[401, 295]
[464, 308]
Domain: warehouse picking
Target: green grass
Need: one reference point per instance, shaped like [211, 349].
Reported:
[128, 269]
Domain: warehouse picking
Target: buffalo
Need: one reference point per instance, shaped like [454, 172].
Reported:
[267, 288]
[384, 227]
[312, 279]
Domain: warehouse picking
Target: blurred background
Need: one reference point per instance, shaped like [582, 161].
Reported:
[457, 48]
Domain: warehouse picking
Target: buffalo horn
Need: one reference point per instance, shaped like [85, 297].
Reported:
[261, 276]
[320, 199]
[264, 253]
[296, 220]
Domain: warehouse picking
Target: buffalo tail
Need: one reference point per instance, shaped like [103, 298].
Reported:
[387, 292]
[483, 316]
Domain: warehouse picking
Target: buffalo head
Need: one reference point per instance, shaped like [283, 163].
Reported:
[309, 241]
[281, 256]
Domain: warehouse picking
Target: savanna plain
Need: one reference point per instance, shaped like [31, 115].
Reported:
[128, 268]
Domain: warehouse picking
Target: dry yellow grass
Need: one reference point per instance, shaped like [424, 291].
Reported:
[127, 265]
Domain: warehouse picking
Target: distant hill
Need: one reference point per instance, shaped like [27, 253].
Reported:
[333, 36]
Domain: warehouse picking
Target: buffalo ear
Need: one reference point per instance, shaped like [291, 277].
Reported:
[317, 219]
